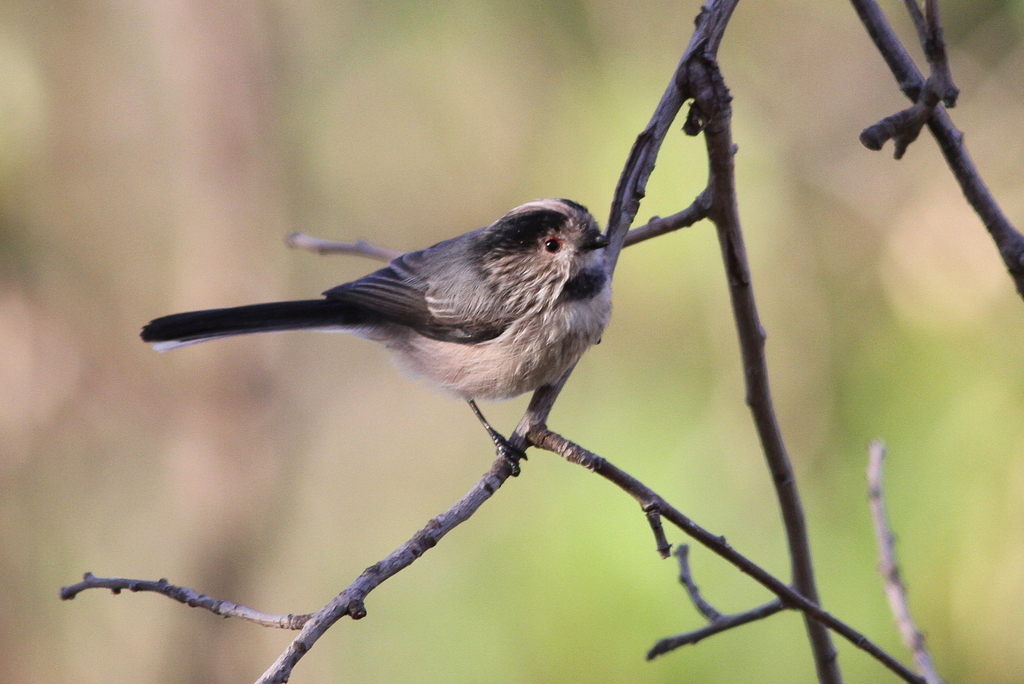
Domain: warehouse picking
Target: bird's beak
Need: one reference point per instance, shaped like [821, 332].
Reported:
[597, 242]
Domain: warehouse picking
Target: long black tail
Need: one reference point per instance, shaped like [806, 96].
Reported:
[181, 329]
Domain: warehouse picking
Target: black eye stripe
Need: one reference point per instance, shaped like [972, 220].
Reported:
[522, 231]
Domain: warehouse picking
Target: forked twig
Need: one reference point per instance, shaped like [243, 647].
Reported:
[1008, 239]
[540, 436]
[726, 622]
[904, 126]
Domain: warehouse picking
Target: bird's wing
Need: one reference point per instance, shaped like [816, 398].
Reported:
[401, 293]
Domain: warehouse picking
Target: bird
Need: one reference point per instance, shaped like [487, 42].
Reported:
[488, 315]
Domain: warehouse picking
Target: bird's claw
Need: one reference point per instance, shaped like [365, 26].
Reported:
[511, 454]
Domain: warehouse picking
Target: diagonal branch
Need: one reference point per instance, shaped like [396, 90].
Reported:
[1008, 239]
[349, 602]
[914, 10]
[632, 184]
[697, 211]
[712, 98]
[895, 591]
[540, 436]
[717, 622]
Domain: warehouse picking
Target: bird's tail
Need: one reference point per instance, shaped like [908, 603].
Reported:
[178, 330]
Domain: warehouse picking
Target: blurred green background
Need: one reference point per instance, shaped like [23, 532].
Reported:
[154, 153]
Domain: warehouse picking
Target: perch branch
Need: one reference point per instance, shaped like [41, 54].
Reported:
[1008, 239]
[540, 436]
[349, 602]
[895, 591]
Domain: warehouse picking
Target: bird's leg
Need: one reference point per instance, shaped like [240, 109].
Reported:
[502, 445]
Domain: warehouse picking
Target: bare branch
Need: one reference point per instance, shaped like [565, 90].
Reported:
[934, 45]
[914, 10]
[184, 595]
[358, 248]
[654, 520]
[540, 436]
[350, 601]
[686, 579]
[726, 622]
[632, 185]
[890, 571]
[712, 98]
[659, 226]
[1008, 239]
[904, 126]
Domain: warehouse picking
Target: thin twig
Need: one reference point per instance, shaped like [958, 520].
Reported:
[657, 226]
[540, 436]
[697, 210]
[1008, 239]
[895, 591]
[632, 183]
[914, 10]
[934, 45]
[686, 579]
[727, 622]
[184, 595]
[358, 248]
[654, 520]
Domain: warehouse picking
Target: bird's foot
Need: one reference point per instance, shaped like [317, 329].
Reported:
[511, 454]
[505, 449]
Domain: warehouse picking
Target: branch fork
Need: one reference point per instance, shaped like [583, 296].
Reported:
[717, 622]
[904, 126]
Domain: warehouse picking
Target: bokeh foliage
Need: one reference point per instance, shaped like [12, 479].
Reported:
[154, 153]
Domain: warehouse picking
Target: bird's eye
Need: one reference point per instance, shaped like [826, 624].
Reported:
[552, 245]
